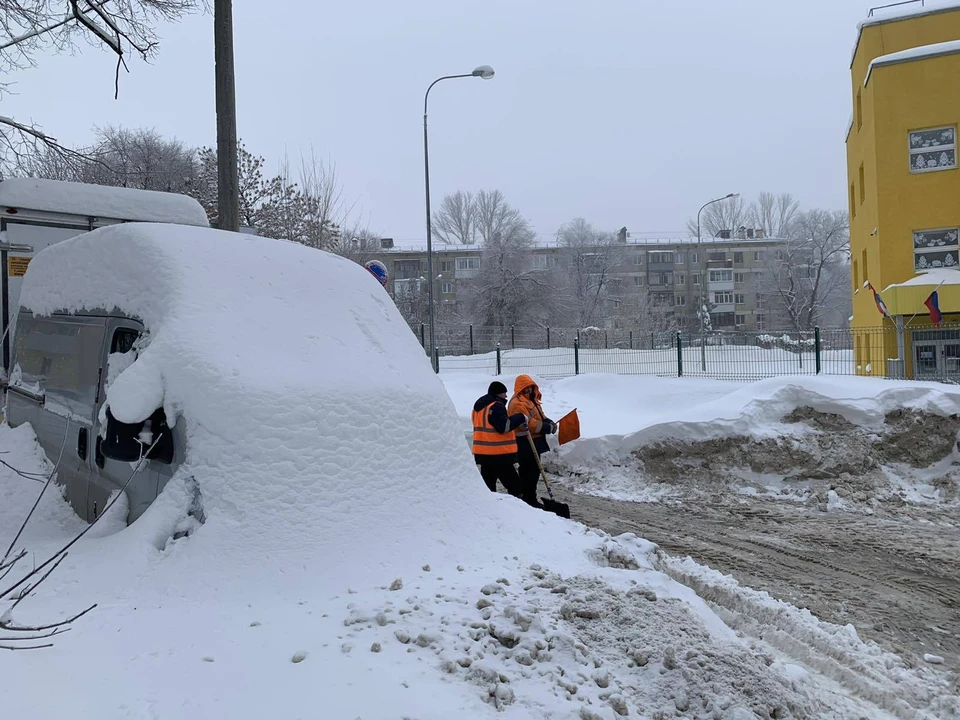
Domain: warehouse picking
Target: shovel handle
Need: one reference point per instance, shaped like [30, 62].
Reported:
[536, 456]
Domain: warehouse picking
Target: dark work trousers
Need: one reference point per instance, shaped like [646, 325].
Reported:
[529, 474]
[493, 468]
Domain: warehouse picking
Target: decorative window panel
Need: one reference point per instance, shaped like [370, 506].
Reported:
[934, 149]
[936, 249]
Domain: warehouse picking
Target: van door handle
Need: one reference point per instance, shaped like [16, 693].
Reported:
[82, 444]
[98, 455]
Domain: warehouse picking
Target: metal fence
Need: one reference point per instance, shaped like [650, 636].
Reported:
[921, 353]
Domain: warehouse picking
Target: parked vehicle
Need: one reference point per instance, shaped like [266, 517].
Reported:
[36, 213]
[62, 366]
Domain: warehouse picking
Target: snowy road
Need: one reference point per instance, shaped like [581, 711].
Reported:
[895, 578]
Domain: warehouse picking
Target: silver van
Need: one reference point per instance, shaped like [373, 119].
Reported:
[61, 367]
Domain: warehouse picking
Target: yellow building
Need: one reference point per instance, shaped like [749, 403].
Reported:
[904, 188]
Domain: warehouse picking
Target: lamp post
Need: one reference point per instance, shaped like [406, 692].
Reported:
[485, 72]
[701, 308]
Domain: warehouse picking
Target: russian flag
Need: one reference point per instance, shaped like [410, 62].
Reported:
[933, 305]
[881, 306]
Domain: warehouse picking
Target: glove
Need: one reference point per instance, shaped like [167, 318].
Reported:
[550, 426]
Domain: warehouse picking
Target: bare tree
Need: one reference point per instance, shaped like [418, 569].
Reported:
[357, 243]
[808, 279]
[773, 213]
[729, 214]
[33, 26]
[592, 258]
[455, 222]
[120, 157]
[507, 290]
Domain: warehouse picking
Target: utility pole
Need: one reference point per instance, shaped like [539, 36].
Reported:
[228, 192]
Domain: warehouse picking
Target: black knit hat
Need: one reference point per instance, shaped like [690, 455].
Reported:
[497, 388]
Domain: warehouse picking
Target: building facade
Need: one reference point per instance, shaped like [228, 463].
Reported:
[904, 186]
[723, 274]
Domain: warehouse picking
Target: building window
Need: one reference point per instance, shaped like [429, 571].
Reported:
[695, 279]
[664, 258]
[694, 258]
[681, 278]
[638, 280]
[934, 149]
[738, 258]
[853, 201]
[446, 288]
[779, 254]
[722, 298]
[717, 257]
[760, 318]
[759, 300]
[739, 299]
[638, 259]
[936, 249]
[723, 320]
[679, 300]
[738, 277]
[863, 189]
[661, 278]
[406, 269]
[863, 266]
[679, 258]
[859, 111]
[721, 276]
[805, 272]
[446, 266]
[546, 261]
[756, 256]
[468, 263]
[740, 320]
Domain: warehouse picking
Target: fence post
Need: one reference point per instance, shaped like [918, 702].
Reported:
[816, 348]
[471, 339]
[548, 338]
[423, 342]
[679, 355]
[498, 359]
[513, 341]
[631, 339]
[436, 360]
[576, 355]
[605, 344]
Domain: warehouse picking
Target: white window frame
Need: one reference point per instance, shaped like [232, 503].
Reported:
[741, 301]
[679, 300]
[739, 320]
[756, 256]
[722, 297]
[638, 280]
[680, 278]
[678, 258]
[694, 258]
[720, 276]
[468, 263]
[638, 259]
[695, 279]
[914, 151]
[738, 277]
[955, 246]
[760, 319]
[446, 288]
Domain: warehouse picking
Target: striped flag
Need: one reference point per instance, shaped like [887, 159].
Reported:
[933, 305]
[881, 306]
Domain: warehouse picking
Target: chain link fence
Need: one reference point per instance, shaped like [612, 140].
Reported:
[923, 353]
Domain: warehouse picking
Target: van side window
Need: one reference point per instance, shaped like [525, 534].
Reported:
[123, 340]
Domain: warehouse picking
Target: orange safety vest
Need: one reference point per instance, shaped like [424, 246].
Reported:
[486, 440]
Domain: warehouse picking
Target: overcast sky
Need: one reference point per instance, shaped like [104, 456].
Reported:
[625, 112]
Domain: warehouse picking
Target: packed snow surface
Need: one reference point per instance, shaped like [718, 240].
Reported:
[99, 201]
[352, 563]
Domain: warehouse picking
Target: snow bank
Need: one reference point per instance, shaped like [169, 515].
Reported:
[99, 201]
[756, 411]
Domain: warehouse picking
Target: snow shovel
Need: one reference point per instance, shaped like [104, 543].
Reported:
[549, 504]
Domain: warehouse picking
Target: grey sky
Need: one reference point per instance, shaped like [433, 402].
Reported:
[625, 112]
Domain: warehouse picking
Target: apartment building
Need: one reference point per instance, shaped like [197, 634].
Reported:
[730, 275]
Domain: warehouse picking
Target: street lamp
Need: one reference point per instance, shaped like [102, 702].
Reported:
[484, 72]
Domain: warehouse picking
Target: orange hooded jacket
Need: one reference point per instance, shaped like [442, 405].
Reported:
[531, 408]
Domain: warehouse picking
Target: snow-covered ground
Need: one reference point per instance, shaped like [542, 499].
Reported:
[351, 563]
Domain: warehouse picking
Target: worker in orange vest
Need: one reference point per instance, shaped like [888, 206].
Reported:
[526, 401]
[494, 439]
